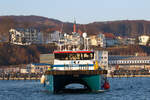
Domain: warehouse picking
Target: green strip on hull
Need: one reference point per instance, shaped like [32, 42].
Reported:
[93, 81]
[50, 83]
[54, 83]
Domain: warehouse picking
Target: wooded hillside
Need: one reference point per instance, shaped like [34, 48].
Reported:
[119, 28]
[13, 54]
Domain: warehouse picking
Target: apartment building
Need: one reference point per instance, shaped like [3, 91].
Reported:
[21, 36]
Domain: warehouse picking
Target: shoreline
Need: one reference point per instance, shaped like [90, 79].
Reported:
[20, 79]
[118, 76]
[109, 76]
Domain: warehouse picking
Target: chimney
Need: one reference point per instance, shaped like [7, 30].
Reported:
[74, 26]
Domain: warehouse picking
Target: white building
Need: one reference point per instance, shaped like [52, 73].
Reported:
[23, 36]
[37, 67]
[111, 40]
[128, 41]
[143, 39]
[101, 40]
[53, 37]
[129, 62]
[93, 40]
[98, 40]
[102, 58]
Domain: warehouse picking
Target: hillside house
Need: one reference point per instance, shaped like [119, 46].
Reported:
[110, 40]
[21, 36]
[143, 39]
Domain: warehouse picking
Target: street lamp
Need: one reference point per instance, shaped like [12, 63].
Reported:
[65, 35]
[87, 40]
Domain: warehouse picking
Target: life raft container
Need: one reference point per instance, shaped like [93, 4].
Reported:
[106, 85]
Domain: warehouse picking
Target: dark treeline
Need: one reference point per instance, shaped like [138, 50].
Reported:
[13, 54]
[119, 28]
[127, 50]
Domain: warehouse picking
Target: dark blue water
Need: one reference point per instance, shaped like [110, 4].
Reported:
[121, 89]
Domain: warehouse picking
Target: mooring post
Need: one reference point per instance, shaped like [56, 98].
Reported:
[3, 76]
[8, 75]
[36, 76]
[24, 77]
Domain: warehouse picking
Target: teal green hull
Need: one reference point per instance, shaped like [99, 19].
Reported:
[94, 82]
[55, 83]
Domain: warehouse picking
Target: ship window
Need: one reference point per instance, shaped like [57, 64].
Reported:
[74, 56]
[61, 56]
[87, 56]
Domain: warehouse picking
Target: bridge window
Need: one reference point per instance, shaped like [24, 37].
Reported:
[74, 56]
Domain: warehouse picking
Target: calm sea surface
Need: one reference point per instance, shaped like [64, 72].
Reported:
[121, 89]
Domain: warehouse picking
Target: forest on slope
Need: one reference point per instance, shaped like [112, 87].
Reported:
[13, 54]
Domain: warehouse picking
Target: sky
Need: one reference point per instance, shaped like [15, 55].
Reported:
[84, 11]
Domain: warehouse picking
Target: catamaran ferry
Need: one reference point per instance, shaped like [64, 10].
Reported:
[75, 67]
